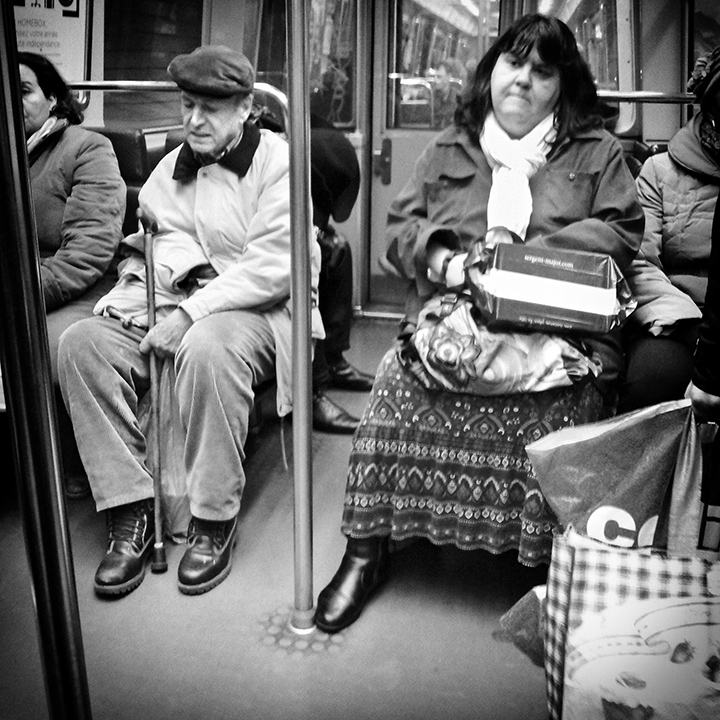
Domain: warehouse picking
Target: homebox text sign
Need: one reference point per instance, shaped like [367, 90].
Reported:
[57, 29]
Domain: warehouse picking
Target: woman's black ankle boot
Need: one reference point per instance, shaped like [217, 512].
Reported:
[362, 570]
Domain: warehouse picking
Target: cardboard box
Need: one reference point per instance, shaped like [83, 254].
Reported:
[550, 290]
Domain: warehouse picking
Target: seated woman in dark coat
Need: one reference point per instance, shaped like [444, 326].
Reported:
[79, 199]
[78, 194]
[526, 160]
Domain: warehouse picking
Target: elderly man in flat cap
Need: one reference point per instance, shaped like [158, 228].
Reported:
[678, 190]
[222, 274]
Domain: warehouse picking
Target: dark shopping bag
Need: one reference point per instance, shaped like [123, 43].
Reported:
[608, 479]
[632, 631]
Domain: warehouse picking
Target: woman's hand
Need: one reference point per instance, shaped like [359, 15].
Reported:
[445, 266]
[705, 406]
[164, 339]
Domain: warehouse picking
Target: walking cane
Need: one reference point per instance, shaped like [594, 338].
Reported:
[159, 563]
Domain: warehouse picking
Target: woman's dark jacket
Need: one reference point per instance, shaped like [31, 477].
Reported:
[79, 199]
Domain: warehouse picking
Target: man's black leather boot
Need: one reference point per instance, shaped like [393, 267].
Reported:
[130, 541]
[208, 559]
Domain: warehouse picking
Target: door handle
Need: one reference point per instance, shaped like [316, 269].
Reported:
[382, 161]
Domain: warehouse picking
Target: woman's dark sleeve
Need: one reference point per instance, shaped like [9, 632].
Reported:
[91, 226]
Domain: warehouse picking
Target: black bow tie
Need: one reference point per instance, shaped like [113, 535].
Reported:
[238, 159]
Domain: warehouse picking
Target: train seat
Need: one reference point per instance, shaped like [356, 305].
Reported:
[131, 149]
[637, 152]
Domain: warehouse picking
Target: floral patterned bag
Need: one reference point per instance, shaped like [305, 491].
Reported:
[460, 354]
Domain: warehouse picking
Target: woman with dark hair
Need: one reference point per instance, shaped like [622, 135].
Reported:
[78, 195]
[526, 161]
[79, 199]
[49, 80]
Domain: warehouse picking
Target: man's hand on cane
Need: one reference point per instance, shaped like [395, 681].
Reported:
[164, 339]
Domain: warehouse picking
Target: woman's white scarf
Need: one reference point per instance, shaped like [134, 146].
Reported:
[513, 163]
[48, 126]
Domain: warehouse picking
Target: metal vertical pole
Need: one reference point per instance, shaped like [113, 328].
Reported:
[301, 227]
[23, 339]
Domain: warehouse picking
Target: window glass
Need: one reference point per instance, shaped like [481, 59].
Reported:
[333, 56]
[602, 28]
[594, 23]
[141, 38]
[707, 27]
[332, 60]
[438, 45]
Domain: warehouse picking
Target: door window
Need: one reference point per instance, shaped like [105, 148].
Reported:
[333, 56]
[707, 28]
[438, 44]
[141, 38]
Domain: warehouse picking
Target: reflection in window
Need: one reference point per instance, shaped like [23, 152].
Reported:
[599, 28]
[332, 64]
[141, 38]
[707, 27]
[594, 25]
[333, 53]
[438, 46]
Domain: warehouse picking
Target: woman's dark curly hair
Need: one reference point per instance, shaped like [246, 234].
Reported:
[556, 46]
[52, 83]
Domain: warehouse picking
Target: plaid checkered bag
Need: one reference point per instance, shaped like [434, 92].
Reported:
[641, 636]
[557, 606]
[589, 579]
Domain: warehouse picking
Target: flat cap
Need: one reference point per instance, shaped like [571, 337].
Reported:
[214, 70]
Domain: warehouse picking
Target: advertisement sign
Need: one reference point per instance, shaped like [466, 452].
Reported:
[58, 29]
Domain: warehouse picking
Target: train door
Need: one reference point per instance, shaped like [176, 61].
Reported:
[421, 53]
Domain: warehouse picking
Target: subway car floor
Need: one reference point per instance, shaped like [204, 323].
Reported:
[428, 646]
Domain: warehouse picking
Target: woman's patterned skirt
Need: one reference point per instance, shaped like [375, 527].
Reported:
[452, 468]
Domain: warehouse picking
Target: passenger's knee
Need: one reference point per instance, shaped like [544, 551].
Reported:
[74, 340]
[202, 346]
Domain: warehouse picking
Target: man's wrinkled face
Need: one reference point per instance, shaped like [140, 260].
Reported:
[212, 124]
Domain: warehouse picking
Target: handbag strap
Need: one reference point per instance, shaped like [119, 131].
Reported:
[448, 303]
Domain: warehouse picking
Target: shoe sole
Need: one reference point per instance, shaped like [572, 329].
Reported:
[210, 584]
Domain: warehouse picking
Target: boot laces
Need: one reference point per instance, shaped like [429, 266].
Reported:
[130, 524]
[216, 530]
